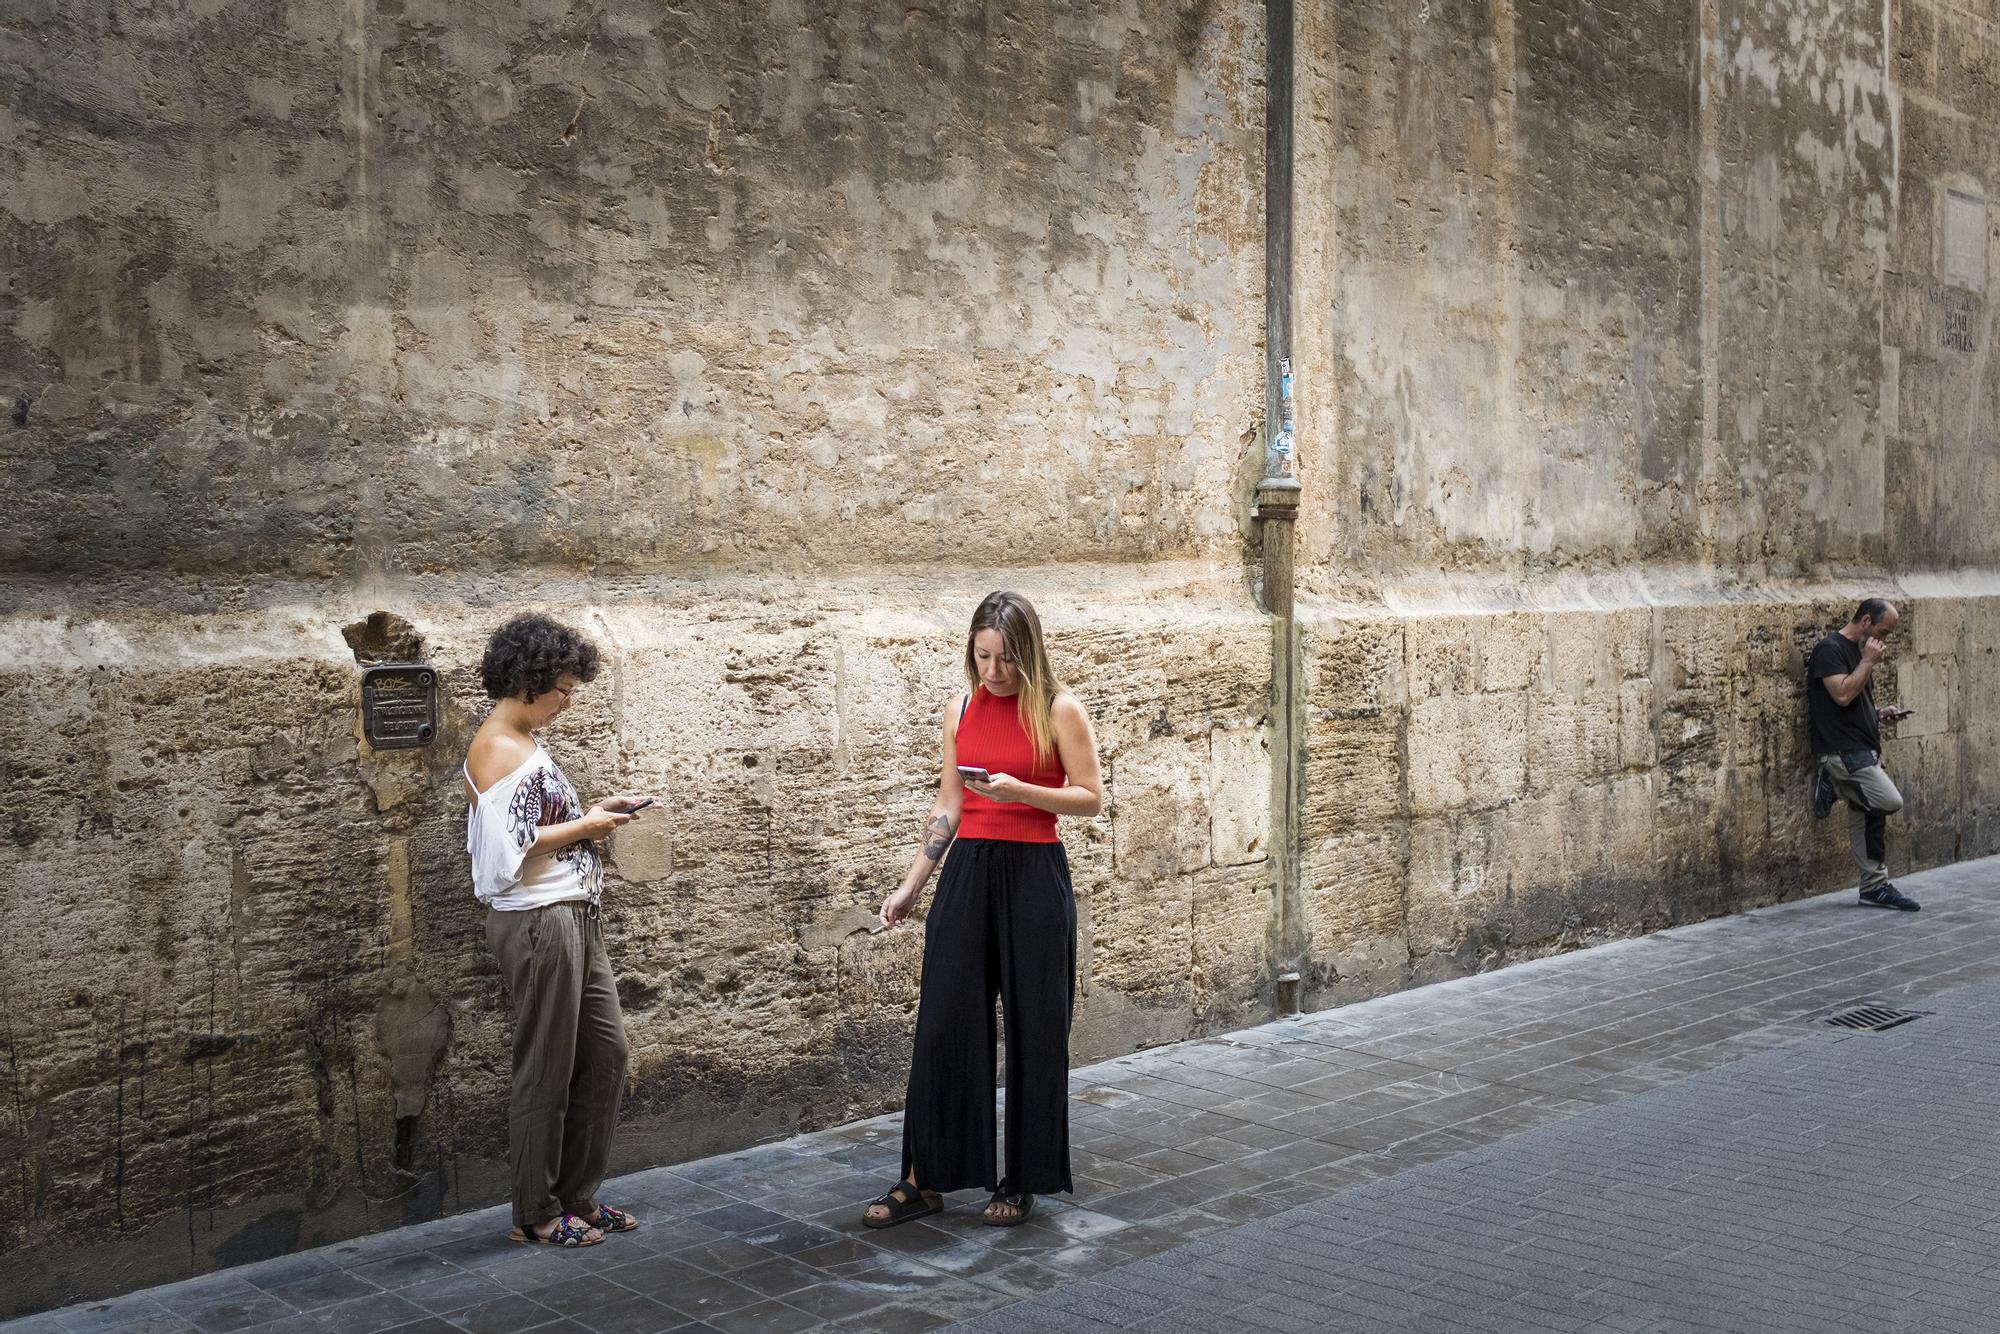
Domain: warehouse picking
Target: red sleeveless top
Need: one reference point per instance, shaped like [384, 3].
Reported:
[990, 736]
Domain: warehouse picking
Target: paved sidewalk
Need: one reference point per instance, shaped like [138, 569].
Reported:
[1555, 1146]
[1850, 1182]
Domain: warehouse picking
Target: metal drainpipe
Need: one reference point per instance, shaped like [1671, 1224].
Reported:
[1279, 431]
[1277, 512]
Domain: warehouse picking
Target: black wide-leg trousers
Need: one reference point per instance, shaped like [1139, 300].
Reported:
[1003, 923]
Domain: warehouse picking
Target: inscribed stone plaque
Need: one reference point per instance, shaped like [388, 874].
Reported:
[399, 705]
[1964, 240]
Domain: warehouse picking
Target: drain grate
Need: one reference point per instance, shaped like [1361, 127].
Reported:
[1874, 1018]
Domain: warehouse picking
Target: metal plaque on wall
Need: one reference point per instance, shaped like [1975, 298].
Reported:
[399, 705]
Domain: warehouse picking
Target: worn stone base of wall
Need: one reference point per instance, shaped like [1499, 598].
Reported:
[1497, 774]
[248, 1002]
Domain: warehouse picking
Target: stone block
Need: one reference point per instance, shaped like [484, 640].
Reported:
[1979, 765]
[1140, 934]
[1743, 824]
[1088, 845]
[1432, 859]
[1441, 655]
[1934, 627]
[1701, 644]
[1232, 911]
[1926, 770]
[1182, 675]
[1909, 319]
[1980, 665]
[1930, 686]
[875, 984]
[1109, 1022]
[1638, 740]
[1969, 65]
[1510, 651]
[1239, 795]
[1357, 969]
[1354, 664]
[1607, 850]
[1482, 882]
[1910, 489]
[1912, 247]
[1353, 772]
[1634, 853]
[1630, 631]
[1580, 661]
[1467, 751]
[1920, 380]
[1354, 886]
[1159, 804]
[1687, 797]
[1913, 45]
[1570, 740]
[1693, 734]
[1763, 719]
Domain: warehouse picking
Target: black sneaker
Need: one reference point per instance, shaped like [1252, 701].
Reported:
[1888, 896]
[1823, 794]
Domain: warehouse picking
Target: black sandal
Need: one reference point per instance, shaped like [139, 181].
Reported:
[1024, 1203]
[904, 1202]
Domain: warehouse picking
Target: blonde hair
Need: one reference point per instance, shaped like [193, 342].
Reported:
[1021, 631]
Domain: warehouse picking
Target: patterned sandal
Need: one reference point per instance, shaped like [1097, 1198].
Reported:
[568, 1231]
[608, 1220]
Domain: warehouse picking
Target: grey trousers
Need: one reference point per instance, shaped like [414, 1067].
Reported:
[1860, 780]
[569, 1055]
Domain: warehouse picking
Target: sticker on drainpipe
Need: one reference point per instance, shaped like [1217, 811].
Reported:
[1283, 443]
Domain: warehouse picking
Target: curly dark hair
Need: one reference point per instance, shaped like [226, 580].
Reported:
[525, 656]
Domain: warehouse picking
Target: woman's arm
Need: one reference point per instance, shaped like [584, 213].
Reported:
[940, 828]
[1076, 744]
[495, 755]
[597, 822]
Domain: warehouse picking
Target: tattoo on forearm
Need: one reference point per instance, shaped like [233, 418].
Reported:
[937, 836]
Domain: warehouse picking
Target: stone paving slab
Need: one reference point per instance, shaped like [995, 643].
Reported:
[1846, 1181]
[1382, 1108]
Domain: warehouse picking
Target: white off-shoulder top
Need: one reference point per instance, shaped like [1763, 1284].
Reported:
[500, 826]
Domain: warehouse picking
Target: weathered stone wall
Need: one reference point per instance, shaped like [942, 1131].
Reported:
[1490, 786]
[250, 1002]
[321, 289]
[760, 341]
[1650, 283]
[1643, 340]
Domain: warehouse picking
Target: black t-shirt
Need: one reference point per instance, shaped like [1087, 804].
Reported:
[1839, 729]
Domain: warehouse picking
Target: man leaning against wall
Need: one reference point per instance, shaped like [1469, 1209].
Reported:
[1847, 743]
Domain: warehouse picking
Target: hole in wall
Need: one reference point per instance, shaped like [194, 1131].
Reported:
[383, 637]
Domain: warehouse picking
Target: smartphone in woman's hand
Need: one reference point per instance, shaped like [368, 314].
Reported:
[971, 773]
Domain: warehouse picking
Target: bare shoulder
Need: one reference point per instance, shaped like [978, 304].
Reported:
[495, 753]
[1068, 711]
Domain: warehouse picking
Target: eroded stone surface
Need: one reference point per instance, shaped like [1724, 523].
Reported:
[249, 985]
[759, 342]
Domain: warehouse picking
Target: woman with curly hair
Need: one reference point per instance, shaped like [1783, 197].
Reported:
[536, 867]
[1018, 751]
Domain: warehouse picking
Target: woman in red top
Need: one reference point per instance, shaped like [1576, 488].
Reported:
[1018, 752]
